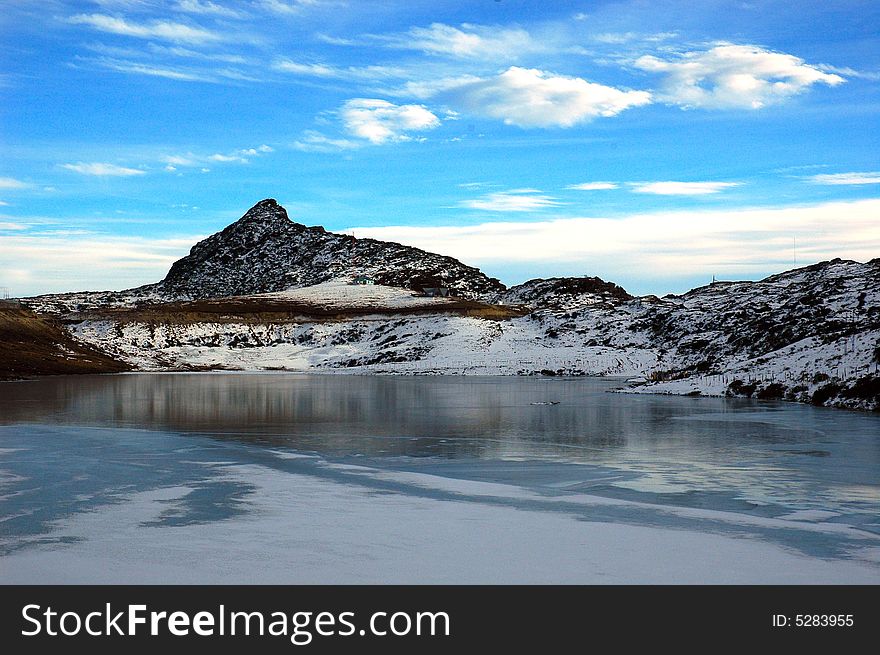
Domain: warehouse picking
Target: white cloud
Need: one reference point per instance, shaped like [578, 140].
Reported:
[312, 141]
[514, 200]
[336, 40]
[148, 69]
[681, 188]
[471, 41]
[227, 158]
[379, 121]
[70, 261]
[618, 38]
[239, 156]
[12, 183]
[683, 243]
[614, 38]
[157, 29]
[336, 72]
[180, 160]
[733, 76]
[592, 186]
[846, 71]
[313, 70]
[847, 178]
[11, 226]
[208, 8]
[178, 51]
[291, 7]
[103, 170]
[253, 152]
[528, 97]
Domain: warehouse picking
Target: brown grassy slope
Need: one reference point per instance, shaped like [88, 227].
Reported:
[265, 310]
[31, 344]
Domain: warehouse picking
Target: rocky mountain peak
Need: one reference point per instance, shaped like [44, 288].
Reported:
[266, 251]
[267, 209]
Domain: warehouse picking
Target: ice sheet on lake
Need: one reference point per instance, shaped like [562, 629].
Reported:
[236, 513]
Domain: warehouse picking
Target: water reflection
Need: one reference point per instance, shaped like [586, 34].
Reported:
[373, 415]
[697, 448]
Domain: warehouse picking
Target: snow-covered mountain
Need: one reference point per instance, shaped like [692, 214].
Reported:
[810, 334]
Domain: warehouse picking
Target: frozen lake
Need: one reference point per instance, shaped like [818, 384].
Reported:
[279, 478]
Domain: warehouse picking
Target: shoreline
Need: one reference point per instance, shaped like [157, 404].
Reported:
[635, 388]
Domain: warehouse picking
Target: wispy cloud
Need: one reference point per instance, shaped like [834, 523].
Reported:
[337, 40]
[529, 97]
[240, 156]
[683, 243]
[157, 29]
[313, 70]
[593, 186]
[208, 8]
[380, 121]
[681, 188]
[181, 160]
[846, 178]
[733, 76]
[227, 158]
[179, 51]
[467, 41]
[12, 183]
[312, 141]
[252, 152]
[846, 71]
[514, 200]
[620, 38]
[103, 170]
[137, 68]
[70, 260]
[339, 72]
[288, 7]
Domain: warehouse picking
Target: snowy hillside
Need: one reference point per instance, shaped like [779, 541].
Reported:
[268, 293]
[339, 294]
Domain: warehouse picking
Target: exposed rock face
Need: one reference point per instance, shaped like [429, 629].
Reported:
[825, 301]
[565, 293]
[265, 251]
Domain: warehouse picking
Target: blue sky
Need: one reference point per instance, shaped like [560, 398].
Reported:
[652, 143]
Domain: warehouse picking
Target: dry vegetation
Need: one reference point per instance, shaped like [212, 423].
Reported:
[31, 344]
[265, 310]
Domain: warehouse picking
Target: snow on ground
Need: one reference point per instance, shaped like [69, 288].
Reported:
[425, 344]
[341, 294]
